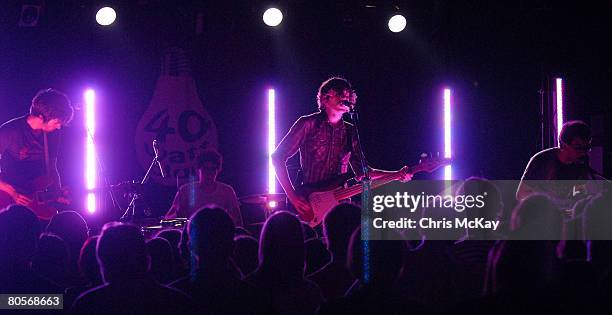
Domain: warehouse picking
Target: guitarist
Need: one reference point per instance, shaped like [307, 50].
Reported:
[567, 162]
[327, 144]
[29, 145]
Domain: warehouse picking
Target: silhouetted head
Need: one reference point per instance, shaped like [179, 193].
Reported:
[121, 252]
[338, 225]
[72, 228]
[174, 237]
[162, 262]
[385, 260]
[211, 235]
[51, 258]
[537, 218]
[88, 263]
[281, 247]
[492, 208]
[19, 231]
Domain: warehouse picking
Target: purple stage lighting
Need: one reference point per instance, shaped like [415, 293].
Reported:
[271, 140]
[559, 101]
[90, 153]
[447, 132]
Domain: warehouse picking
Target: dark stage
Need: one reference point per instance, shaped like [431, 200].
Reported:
[196, 76]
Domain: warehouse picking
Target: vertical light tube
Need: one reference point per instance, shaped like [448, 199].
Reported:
[90, 153]
[271, 140]
[447, 132]
[559, 101]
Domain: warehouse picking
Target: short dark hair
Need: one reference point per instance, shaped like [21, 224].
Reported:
[338, 225]
[209, 156]
[52, 104]
[211, 234]
[335, 83]
[121, 251]
[19, 232]
[575, 129]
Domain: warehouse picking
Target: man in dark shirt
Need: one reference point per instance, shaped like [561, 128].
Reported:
[327, 144]
[29, 145]
[567, 162]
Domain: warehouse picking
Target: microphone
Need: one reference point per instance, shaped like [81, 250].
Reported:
[156, 150]
[348, 104]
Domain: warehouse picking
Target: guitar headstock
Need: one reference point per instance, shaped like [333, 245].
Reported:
[429, 163]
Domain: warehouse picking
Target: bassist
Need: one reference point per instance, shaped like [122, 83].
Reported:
[327, 144]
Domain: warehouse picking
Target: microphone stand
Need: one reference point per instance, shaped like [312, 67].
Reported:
[366, 184]
[128, 215]
[102, 169]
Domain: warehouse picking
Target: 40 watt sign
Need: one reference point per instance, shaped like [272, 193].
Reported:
[182, 127]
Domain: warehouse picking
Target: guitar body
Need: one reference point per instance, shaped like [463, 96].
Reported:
[42, 200]
[321, 203]
[321, 197]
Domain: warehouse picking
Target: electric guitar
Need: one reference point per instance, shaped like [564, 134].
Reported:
[45, 201]
[323, 196]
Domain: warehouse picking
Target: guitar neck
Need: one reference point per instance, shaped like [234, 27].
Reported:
[349, 192]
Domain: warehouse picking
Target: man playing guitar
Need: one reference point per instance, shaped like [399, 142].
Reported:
[29, 148]
[327, 145]
[567, 162]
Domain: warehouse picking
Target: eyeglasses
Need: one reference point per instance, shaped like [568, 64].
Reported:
[581, 147]
[332, 93]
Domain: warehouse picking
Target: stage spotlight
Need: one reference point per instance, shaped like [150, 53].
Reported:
[397, 23]
[273, 17]
[106, 16]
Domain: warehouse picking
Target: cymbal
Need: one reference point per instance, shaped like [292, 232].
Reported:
[259, 199]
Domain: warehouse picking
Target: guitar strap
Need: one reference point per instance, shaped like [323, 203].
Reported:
[349, 143]
[46, 148]
[349, 139]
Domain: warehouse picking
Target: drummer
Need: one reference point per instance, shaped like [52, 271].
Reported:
[206, 191]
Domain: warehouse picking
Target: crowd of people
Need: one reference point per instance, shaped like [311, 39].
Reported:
[213, 266]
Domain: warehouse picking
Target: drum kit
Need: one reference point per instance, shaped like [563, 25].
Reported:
[270, 203]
